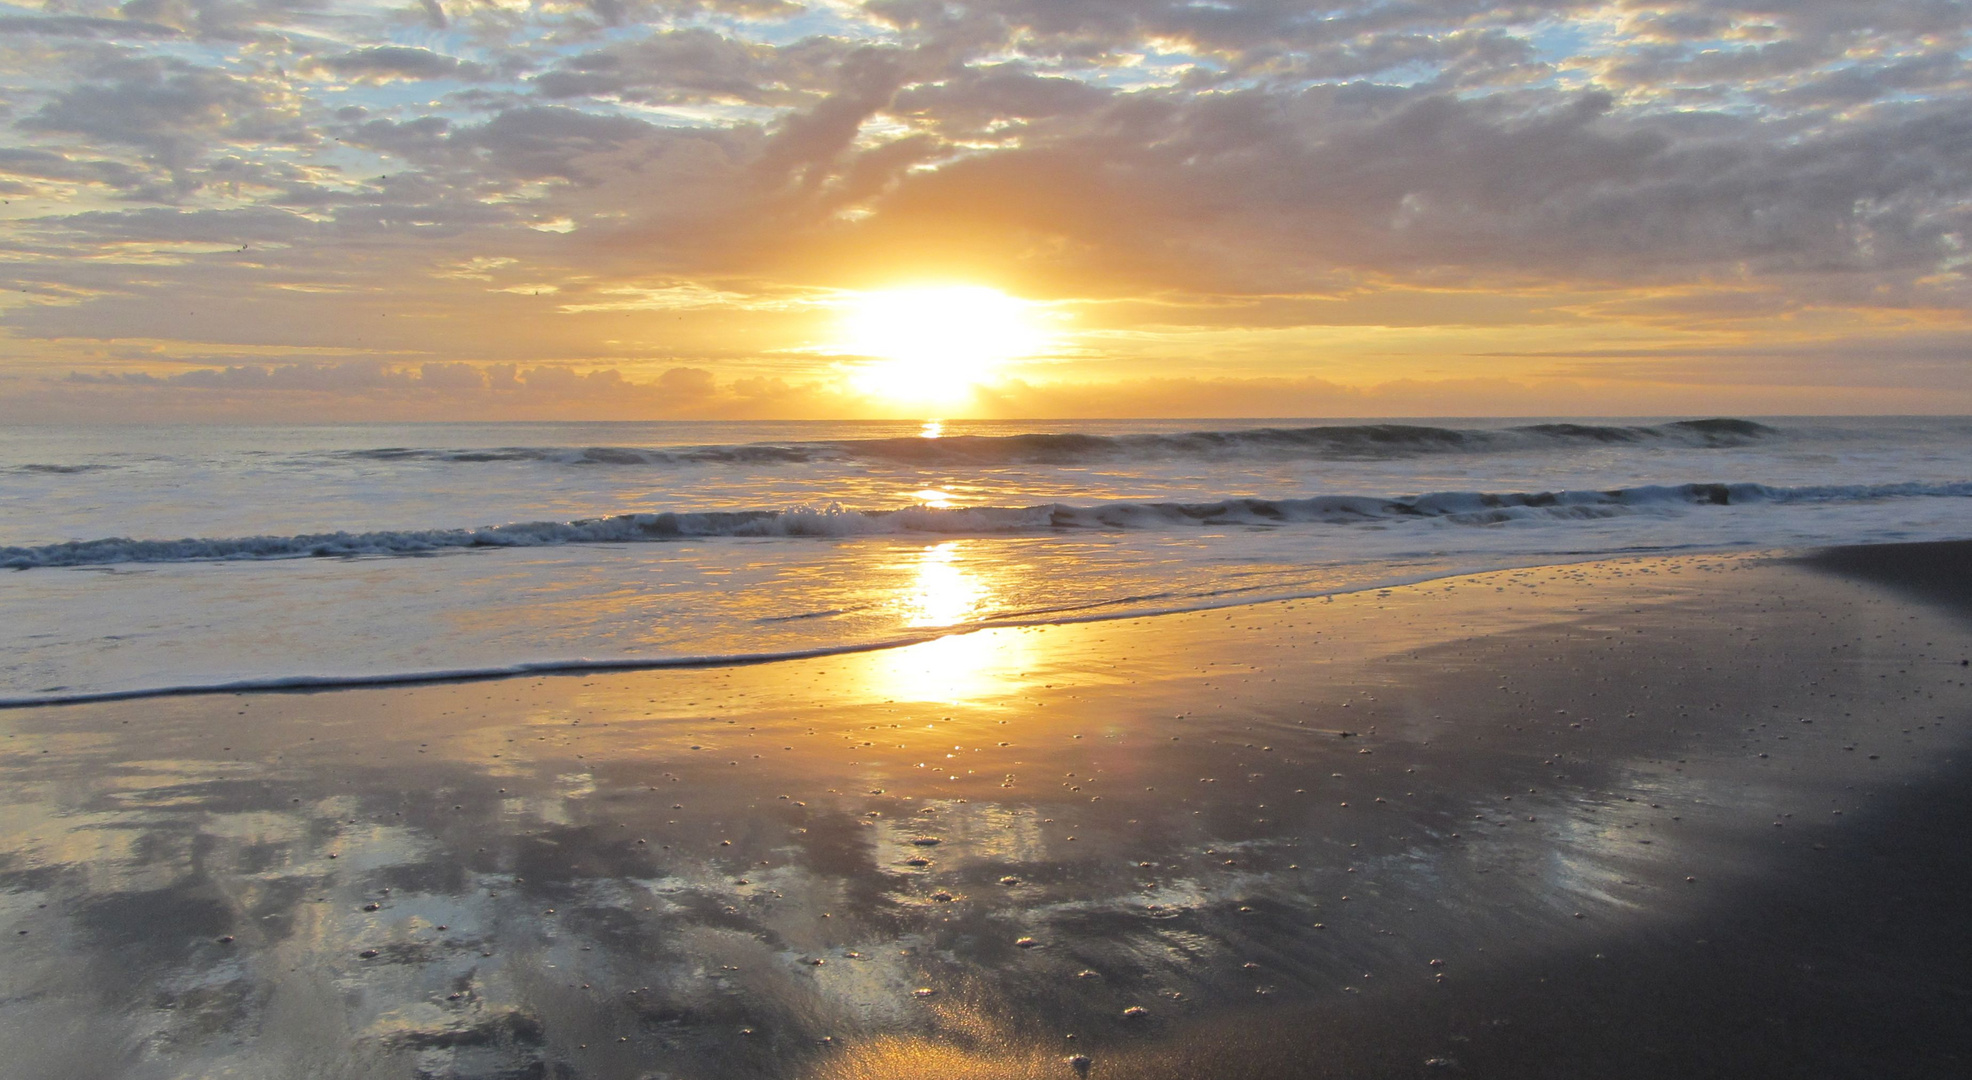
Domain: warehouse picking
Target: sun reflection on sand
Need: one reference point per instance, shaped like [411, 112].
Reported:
[944, 592]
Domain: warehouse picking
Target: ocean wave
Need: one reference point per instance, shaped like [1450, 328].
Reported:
[33, 468]
[741, 454]
[1454, 507]
[1332, 442]
[1340, 442]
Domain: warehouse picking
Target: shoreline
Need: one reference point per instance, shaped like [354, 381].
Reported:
[725, 867]
[577, 666]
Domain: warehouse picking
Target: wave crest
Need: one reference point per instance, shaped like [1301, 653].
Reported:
[1332, 442]
[1454, 507]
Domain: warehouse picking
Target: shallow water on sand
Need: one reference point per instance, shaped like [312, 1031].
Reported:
[1300, 839]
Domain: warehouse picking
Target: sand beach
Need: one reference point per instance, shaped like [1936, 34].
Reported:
[1643, 817]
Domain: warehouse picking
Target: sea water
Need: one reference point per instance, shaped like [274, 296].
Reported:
[144, 559]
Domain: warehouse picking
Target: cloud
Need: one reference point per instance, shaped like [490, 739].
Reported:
[383, 63]
[176, 113]
[50, 165]
[84, 26]
[1259, 192]
[677, 66]
[357, 389]
[968, 102]
[309, 175]
[353, 391]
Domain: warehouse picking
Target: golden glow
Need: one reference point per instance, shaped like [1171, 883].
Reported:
[944, 594]
[933, 345]
[894, 1056]
[935, 498]
[979, 666]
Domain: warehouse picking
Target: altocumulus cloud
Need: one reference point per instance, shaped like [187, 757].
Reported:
[453, 183]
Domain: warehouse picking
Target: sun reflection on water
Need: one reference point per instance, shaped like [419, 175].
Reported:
[936, 498]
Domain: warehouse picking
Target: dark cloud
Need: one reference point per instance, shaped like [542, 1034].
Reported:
[806, 143]
[172, 226]
[690, 65]
[965, 104]
[49, 165]
[174, 112]
[1860, 83]
[399, 62]
[1265, 192]
[84, 26]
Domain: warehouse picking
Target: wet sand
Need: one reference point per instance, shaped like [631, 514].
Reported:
[1645, 818]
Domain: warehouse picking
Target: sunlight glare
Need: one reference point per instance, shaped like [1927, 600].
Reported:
[933, 345]
[943, 594]
[936, 498]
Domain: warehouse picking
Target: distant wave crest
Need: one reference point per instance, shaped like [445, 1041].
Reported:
[1455, 507]
[1342, 441]
[743, 454]
[1333, 442]
[59, 470]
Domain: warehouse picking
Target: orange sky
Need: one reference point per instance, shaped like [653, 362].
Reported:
[1260, 208]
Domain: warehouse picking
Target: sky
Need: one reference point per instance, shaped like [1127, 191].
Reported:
[310, 210]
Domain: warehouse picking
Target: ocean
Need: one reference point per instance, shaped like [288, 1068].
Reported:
[145, 560]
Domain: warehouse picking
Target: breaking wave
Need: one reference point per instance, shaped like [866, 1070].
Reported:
[1456, 508]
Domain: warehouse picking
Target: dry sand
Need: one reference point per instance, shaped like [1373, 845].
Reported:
[1646, 818]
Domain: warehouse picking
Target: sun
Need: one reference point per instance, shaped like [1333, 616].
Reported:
[932, 345]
